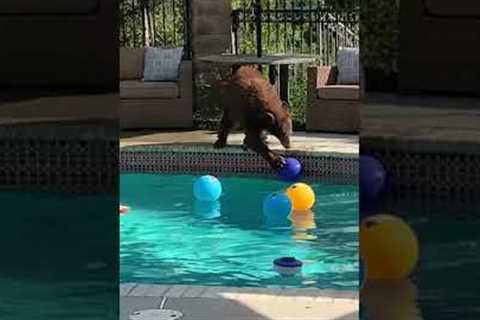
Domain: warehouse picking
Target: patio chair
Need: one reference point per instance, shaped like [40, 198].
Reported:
[153, 104]
[331, 106]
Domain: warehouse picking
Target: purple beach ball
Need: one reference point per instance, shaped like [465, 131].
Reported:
[291, 170]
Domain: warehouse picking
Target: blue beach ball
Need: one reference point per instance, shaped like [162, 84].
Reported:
[207, 209]
[373, 179]
[291, 170]
[207, 188]
[277, 204]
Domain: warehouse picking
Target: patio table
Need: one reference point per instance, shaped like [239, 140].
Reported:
[274, 62]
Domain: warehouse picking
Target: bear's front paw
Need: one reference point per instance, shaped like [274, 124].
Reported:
[278, 163]
[219, 144]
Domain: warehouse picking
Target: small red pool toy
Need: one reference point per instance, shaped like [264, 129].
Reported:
[124, 209]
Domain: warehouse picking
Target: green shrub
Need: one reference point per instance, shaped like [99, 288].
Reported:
[379, 35]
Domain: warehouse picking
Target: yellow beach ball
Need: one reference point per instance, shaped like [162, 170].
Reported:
[388, 247]
[301, 196]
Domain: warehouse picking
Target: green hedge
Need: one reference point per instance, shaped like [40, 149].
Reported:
[379, 35]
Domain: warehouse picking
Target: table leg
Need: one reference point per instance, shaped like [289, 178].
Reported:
[273, 77]
[284, 82]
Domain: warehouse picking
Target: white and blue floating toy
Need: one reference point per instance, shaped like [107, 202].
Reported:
[287, 266]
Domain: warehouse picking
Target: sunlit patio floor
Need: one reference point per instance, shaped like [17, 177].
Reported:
[233, 303]
[345, 145]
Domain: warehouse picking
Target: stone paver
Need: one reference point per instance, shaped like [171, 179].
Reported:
[194, 291]
[243, 303]
[125, 288]
[221, 292]
[140, 290]
[156, 290]
[301, 141]
[176, 291]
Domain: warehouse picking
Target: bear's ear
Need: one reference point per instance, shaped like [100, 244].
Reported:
[285, 105]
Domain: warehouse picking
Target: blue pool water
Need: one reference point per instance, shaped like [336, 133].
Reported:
[167, 238]
[446, 281]
[59, 256]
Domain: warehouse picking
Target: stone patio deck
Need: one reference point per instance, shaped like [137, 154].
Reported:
[301, 141]
[212, 303]
[421, 123]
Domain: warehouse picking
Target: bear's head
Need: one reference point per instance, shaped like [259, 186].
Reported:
[281, 127]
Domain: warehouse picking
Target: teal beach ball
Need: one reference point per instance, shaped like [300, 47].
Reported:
[207, 188]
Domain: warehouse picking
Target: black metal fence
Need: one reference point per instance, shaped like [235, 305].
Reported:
[313, 27]
[295, 27]
[165, 23]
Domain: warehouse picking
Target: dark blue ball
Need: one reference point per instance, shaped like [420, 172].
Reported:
[291, 170]
[373, 179]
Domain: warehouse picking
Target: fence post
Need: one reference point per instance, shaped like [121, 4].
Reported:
[235, 40]
[188, 28]
[258, 25]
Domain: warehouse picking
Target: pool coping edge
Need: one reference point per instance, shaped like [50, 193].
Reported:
[134, 289]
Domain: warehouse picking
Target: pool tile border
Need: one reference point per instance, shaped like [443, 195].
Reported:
[214, 292]
[337, 168]
[73, 158]
[426, 171]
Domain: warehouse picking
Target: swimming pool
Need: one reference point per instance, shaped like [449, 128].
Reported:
[166, 238]
[445, 283]
[59, 256]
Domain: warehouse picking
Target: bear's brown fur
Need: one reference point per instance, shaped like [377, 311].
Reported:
[249, 100]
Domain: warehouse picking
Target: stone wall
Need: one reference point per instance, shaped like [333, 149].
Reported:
[211, 34]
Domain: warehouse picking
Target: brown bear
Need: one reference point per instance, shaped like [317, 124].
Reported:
[250, 101]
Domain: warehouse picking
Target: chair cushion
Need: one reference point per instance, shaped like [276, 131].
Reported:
[348, 65]
[48, 7]
[162, 64]
[131, 63]
[339, 92]
[137, 89]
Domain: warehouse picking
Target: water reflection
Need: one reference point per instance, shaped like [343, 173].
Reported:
[389, 300]
[273, 221]
[303, 222]
[207, 209]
